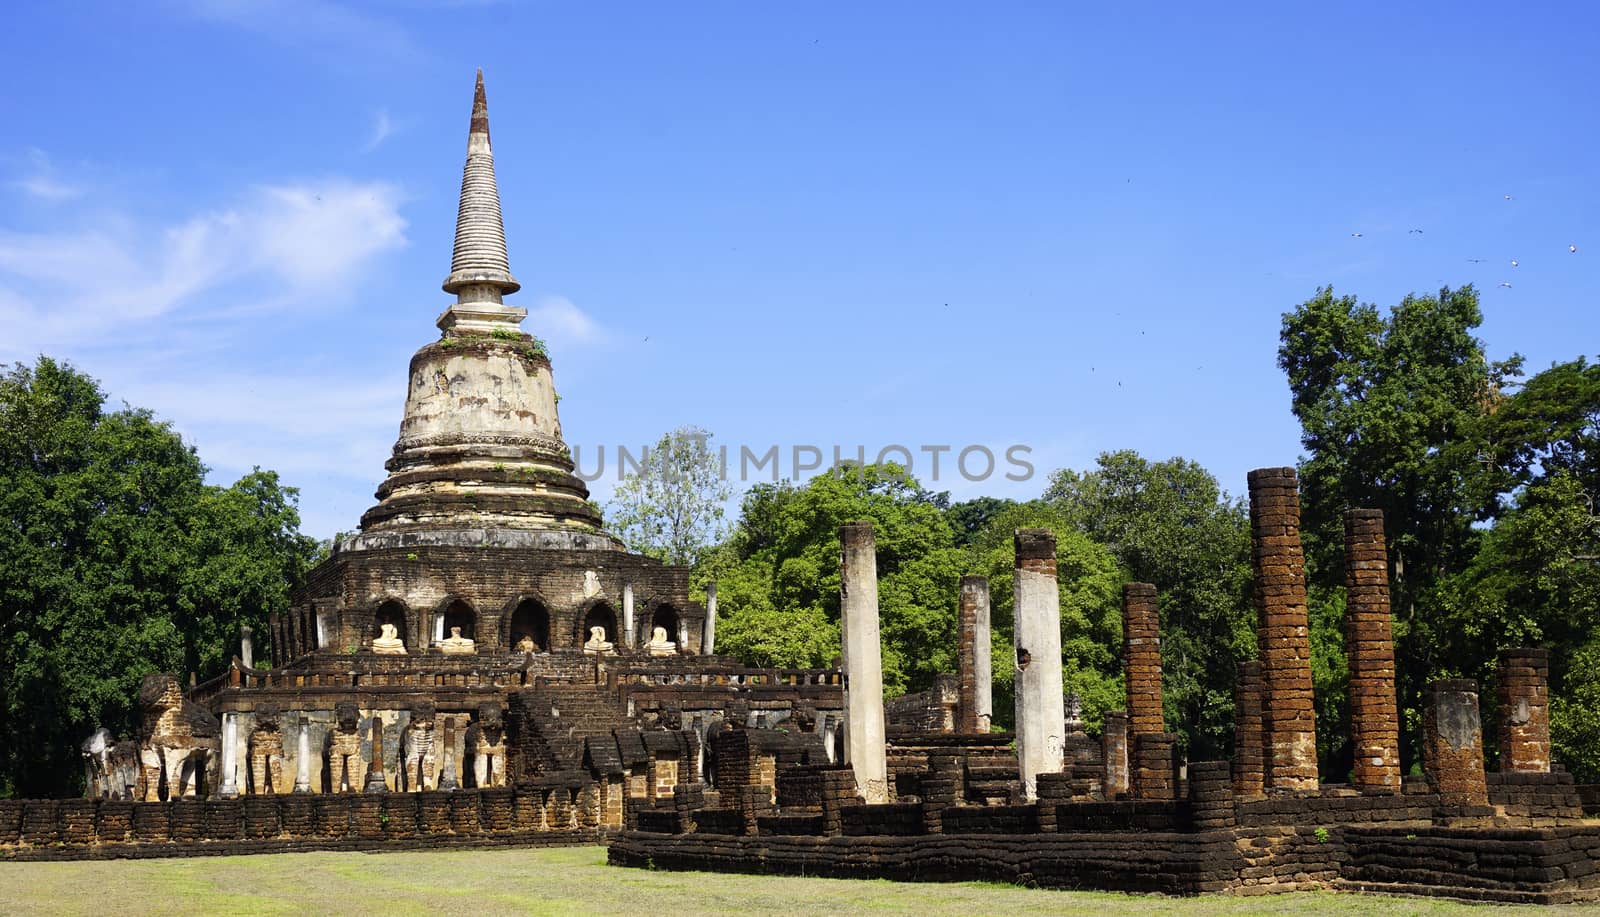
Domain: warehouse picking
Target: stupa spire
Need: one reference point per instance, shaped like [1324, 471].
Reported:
[480, 272]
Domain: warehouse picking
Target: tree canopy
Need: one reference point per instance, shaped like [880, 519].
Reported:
[120, 561]
[671, 506]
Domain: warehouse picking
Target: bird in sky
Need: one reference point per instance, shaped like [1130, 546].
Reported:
[1477, 260]
[1417, 231]
[1573, 249]
[1506, 285]
[1508, 197]
[1355, 235]
[1513, 262]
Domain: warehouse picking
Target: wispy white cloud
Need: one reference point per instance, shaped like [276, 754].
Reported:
[39, 178]
[382, 128]
[167, 314]
[70, 284]
[560, 322]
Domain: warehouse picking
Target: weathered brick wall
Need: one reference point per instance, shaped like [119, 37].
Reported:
[1369, 647]
[1527, 865]
[426, 578]
[1130, 861]
[1545, 865]
[1141, 658]
[1540, 799]
[933, 710]
[1523, 690]
[1284, 630]
[101, 829]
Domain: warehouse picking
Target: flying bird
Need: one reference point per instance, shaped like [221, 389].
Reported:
[1508, 197]
[1506, 285]
[1417, 231]
[1513, 262]
[1573, 249]
[1477, 260]
[1355, 235]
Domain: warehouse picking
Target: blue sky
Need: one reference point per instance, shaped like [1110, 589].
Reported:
[1069, 227]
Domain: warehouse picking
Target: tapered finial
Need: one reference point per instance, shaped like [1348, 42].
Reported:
[480, 271]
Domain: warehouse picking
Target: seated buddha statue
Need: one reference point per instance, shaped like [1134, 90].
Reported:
[659, 645]
[457, 645]
[388, 642]
[597, 641]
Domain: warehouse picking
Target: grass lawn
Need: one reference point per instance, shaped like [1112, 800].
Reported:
[576, 880]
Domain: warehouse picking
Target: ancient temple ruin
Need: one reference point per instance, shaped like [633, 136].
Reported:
[481, 632]
[482, 664]
[1052, 806]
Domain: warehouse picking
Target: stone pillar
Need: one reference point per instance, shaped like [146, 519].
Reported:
[627, 615]
[1369, 647]
[863, 662]
[375, 779]
[1114, 736]
[1041, 721]
[1249, 752]
[1452, 743]
[1284, 632]
[447, 759]
[438, 628]
[302, 762]
[1524, 693]
[230, 756]
[708, 636]
[1141, 658]
[247, 647]
[977, 670]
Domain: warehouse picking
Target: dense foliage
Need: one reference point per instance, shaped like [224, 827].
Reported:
[1488, 487]
[119, 561]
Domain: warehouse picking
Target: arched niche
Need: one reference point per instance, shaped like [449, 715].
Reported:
[667, 618]
[532, 620]
[390, 612]
[457, 613]
[602, 615]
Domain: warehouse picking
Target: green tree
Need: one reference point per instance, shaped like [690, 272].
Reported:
[778, 574]
[1550, 426]
[1575, 714]
[671, 506]
[1171, 524]
[1392, 413]
[117, 561]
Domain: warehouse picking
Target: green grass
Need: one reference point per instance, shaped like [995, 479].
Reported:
[576, 880]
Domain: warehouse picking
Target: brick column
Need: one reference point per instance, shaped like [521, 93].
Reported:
[1452, 743]
[1153, 774]
[977, 673]
[1141, 658]
[1369, 647]
[1210, 795]
[1524, 693]
[1114, 735]
[1284, 632]
[1249, 752]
